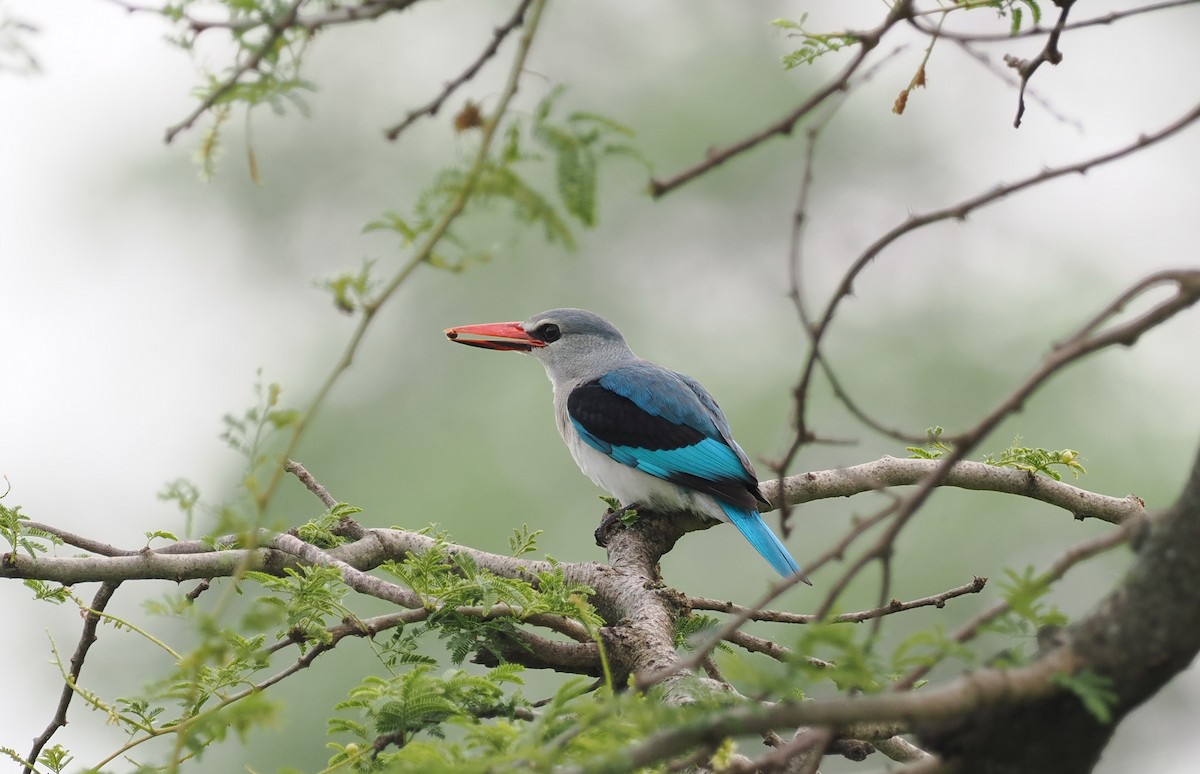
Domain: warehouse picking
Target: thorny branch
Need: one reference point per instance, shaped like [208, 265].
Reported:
[432, 107]
[193, 559]
[867, 41]
[1049, 53]
[959, 211]
[827, 715]
[86, 639]
[1077, 346]
[1037, 31]
[895, 606]
[1053, 573]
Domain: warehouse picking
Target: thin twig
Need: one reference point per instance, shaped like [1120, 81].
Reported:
[958, 211]
[1049, 53]
[867, 41]
[90, 622]
[422, 253]
[365, 10]
[277, 28]
[310, 482]
[895, 606]
[1188, 293]
[1032, 32]
[79, 541]
[432, 107]
[1055, 572]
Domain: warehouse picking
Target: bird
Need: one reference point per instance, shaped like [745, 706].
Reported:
[652, 437]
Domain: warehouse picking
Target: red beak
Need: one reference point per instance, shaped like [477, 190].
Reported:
[503, 336]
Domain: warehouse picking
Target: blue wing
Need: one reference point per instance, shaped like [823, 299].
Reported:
[664, 424]
[667, 425]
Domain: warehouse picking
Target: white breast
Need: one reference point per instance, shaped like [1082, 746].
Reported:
[630, 485]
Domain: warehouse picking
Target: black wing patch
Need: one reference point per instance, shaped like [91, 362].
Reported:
[618, 421]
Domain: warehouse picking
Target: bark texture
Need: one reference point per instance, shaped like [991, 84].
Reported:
[1139, 637]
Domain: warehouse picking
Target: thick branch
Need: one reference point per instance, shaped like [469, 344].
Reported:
[892, 471]
[1138, 638]
[986, 688]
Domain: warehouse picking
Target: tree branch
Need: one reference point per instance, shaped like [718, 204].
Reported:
[959, 211]
[277, 29]
[718, 156]
[895, 606]
[431, 108]
[1141, 635]
[978, 476]
[86, 639]
[985, 688]
[1049, 53]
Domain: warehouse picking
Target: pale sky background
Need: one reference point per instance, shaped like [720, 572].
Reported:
[138, 302]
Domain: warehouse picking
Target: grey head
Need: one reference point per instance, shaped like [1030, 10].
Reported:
[577, 344]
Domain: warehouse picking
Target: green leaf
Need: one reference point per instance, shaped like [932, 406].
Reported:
[1038, 460]
[934, 447]
[1095, 691]
[522, 541]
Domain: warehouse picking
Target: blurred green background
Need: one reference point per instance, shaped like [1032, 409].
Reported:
[140, 301]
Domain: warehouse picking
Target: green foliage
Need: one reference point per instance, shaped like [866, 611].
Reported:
[1095, 691]
[1037, 460]
[307, 598]
[689, 628]
[449, 582]
[401, 648]
[576, 145]
[446, 580]
[248, 433]
[322, 530]
[813, 45]
[927, 648]
[1015, 456]
[1015, 10]
[933, 449]
[47, 592]
[184, 494]
[55, 758]
[417, 702]
[265, 70]
[853, 666]
[1023, 592]
[352, 290]
[626, 516]
[1027, 616]
[254, 435]
[160, 534]
[522, 541]
[575, 726]
[22, 536]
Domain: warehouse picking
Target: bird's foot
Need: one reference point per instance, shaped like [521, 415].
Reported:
[623, 515]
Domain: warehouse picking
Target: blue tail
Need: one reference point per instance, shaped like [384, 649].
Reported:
[754, 529]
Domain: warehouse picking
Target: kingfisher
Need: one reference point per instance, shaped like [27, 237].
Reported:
[652, 437]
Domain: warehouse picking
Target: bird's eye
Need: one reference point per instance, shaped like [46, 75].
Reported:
[548, 332]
